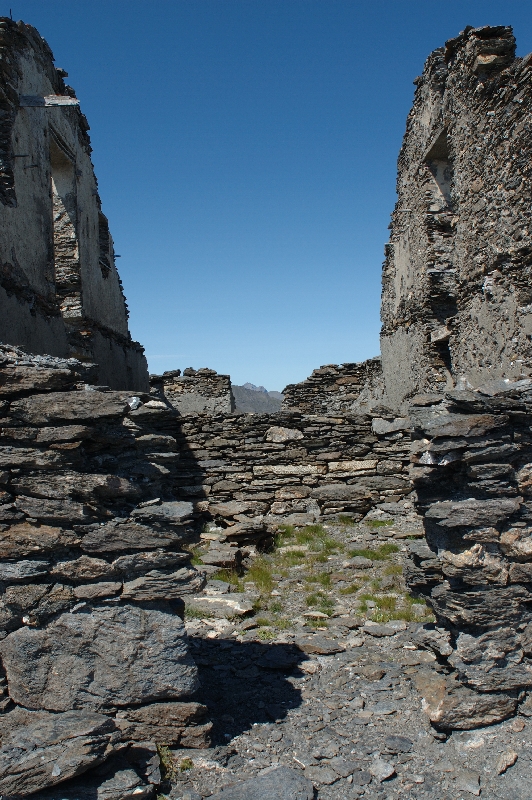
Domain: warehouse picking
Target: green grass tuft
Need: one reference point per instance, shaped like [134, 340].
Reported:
[378, 523]
[382, 553]
[351, 589]
[345, 519]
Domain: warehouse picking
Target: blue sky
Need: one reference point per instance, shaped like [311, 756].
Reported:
[246, 154]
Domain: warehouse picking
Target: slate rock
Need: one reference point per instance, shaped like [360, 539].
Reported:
[281, 657]
[40, 749]
[177, 724]
[12, 571]
[319, 645]
[172, 513]
[114, 537]
[56, 407]
[98, 657]
[398, 744]
[473, 513]
[281, 783]
[222, 607]
[26, 539]
[116, 779]
[158, 585]
[323, 776]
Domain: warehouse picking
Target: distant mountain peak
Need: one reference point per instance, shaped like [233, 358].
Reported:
[253, 388]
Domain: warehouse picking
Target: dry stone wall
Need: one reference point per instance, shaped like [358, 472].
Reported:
[195, 391]
[338, 388]
[472, 468]
[93, 569]
[252, 472]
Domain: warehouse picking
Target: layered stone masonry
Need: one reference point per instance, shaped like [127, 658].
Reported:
[338, 388]
[472, 468]
[194, 391]
[252, 472]
[93, 569]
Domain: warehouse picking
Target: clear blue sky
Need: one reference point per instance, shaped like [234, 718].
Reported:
[246, 154]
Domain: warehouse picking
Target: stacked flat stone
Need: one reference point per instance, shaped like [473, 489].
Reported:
[254, 471]
[93, 650]
[472, 468]
[195, 391]
[337, 388]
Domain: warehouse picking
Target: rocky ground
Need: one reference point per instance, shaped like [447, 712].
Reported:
[323, 678]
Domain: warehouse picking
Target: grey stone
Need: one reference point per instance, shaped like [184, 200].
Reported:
[40, 749]
[22, 570]
[114, 780]
[281, 783]
[57, 407]
[100, 657]
[158, 585]
[170, 513]
[114, 537]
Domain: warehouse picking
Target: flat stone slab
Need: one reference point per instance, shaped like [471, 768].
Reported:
[98, 657]
[40, 749]
[320, 645]
[281, 783]
[223, 607]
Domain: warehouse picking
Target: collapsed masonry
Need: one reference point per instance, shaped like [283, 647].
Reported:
[60, 293]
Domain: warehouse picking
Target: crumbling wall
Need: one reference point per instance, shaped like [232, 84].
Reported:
[338, 388]
[456, 302]
[195, 391]
[60, 292]
[93, 569]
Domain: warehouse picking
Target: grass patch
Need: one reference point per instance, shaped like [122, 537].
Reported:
[276, 607]
[345, 519]
[322, 578]
[320, 602]
[351, 589]
[266, 635]
[393, 569]
[196, 613]
[260, 573]
[382, 553]
[411, 600]
[185, 764]
[378, 523]
[262, 621]
[291, 559]
[283, 623]
[316, 623]
[195, 558]
[229, 576]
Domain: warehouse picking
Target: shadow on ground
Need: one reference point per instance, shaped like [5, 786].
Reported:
[243, 683]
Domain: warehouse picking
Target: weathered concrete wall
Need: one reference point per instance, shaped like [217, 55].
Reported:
[338, 388]
[60, 292]
[195, 391]
[456, 301]
[93, 569]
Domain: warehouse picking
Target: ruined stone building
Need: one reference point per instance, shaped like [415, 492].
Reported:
[456, 296]
[60, 292]
[103, 491]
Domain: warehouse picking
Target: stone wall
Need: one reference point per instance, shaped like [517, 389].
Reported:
[338, 388]
[195, 391]
[252, 472]
[60, 292]
[456, 301]
[93, 569]
[472, 468]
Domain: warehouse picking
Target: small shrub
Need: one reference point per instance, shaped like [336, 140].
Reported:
[185, 764]
[312, 600]
[167, 761]
[378, 523]
[283, 624]
[262, 621]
